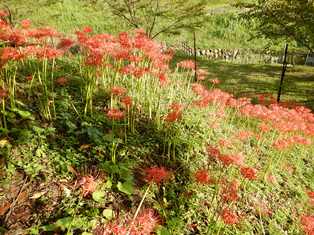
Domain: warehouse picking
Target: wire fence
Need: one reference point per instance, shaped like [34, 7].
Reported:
[244, 56]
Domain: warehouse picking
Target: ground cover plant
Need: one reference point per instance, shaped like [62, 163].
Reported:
[99, 135]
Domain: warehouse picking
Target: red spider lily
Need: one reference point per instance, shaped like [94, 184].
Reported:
[87, 29]
[135, 58]
[144, 224]
[244, 135]
[113, 227]
[263, 127]
[225, 143]
[163, 79]
[230, 191]
[42, 33]
[14, 36]
[3, 13]
[156, 174]
[140, 72]
[187, 64]
[227, 160]
[229, 217]
[248, 173]
[261, 208]
[10, 53]
[121, 54]
[282, 144]
[213, 152]
[201, 74]
[88, 185]
[26, 23]
[140, 38]
[48, 53]
[62, 81]
[94, 59]
[202, 177]
[288, 142]
[118, 91]
[271, 178]
[307, 222]
[311, 197]
[124, 40]
[115, 114]
[29, 78]
[3, 25]
[282, 119]
[215, 81]
[65, 43]
[231, 159]
[126, 101]
[175, 114]
[3, 93]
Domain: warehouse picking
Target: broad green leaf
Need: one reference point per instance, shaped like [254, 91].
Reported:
[108, 213]
[98, 196]
[64, 223]
[126, 187]
[109, 183]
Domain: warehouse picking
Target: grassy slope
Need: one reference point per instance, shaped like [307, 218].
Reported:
[221, 31]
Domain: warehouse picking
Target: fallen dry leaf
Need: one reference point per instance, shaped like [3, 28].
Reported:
[38, 195]
[4, 207]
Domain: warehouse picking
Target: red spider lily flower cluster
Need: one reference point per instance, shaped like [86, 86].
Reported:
[26, 23]
[248, 173]
[225, 143]
[270, 178]
[261, 208]
[285, 143]
[156, 175]
[118, 91]
[26, 42]
[29, 77]
[230, 191]
[311, 197]
[115, 114]
[62, 81]
[226, 159]
[298, 119]
[88, 185]
[3, 93]
[187, 64]
[127, 48]
[127, 101]
[244, 135]
[307, 222]
[175, 114]
[229, 217]
[215, 81]
[65, 43]
[201, 74]
[202, 177]
[285, 120]
[145, 223]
